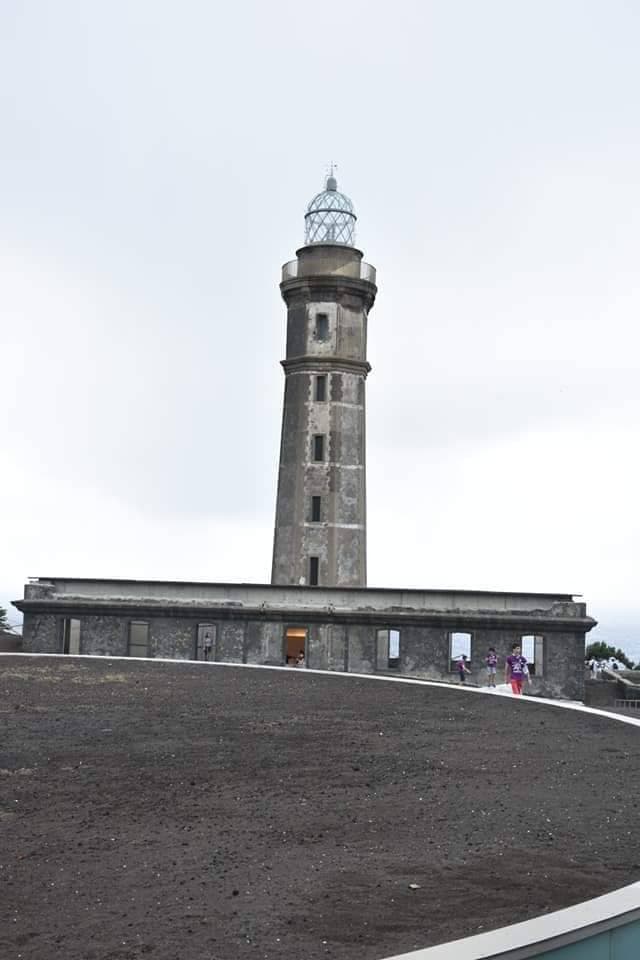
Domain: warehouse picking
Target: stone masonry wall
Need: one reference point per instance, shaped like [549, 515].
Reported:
[104, 636]
[361, 649]
[172, 638]
[230, 646]
[424, 652]
[40, 634]
[563, 674]
[331, 645]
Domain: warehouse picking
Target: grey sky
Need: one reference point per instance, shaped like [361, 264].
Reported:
[156, 162]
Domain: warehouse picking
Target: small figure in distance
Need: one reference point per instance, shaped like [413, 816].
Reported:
[462, 667]
[207, 646]
[516, 670]
[491, 661]
[300, 659]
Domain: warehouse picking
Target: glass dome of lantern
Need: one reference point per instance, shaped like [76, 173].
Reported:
[330, 217]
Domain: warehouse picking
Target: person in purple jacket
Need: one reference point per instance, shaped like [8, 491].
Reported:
[491, 661]
[516, 670]
[463, 669]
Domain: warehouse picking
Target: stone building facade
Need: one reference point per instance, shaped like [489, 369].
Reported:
[415, 633]
[318, 604]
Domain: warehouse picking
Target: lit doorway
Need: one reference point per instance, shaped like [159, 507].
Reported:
[295, 646]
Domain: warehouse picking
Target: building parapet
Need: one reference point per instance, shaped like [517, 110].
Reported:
[352, 598]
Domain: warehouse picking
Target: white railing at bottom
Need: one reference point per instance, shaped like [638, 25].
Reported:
[608, 928]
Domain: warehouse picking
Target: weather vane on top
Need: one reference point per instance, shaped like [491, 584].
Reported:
[332, 166]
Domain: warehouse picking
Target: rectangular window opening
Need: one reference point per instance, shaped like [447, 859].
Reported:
[70, 635]
[321, 387]
[315, 509]
[206, 641]
[138, 638]
[322, 326]
[314, 566]
[318, 447]
[459, 646]
[388, 649]
[532, 647]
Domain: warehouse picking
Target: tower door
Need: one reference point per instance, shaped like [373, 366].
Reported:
[295, 643]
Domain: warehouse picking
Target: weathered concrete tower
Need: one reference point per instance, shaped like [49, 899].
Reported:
[320, 532]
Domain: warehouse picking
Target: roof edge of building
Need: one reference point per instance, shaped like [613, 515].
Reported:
[306, 588]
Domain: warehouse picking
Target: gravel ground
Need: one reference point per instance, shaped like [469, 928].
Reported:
[199, 812]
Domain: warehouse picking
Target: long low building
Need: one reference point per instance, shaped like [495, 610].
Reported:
[418, 633]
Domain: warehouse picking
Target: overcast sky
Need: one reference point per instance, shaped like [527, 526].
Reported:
[156, 161]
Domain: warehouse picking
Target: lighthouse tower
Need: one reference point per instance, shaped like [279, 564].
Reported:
[320, 530]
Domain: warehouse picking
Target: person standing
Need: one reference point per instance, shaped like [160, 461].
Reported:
[207, 646]
[516, 670]
[462, 668]
[491, 661]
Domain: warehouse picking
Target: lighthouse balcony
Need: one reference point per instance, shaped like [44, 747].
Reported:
[355, 268]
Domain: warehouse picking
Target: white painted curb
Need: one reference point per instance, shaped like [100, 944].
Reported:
[534, 937]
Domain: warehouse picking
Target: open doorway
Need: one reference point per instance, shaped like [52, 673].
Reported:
[295, 646]
[459, 646]
[206, 641]
[532, 648]
[388, 649]
[70, 635]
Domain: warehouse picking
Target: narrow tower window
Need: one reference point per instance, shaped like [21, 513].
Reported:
[321, 387]
[322, 326]
[318, 446]
[314, 563]
[315, 509]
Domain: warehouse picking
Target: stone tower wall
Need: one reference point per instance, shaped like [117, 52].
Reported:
[327, 310]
